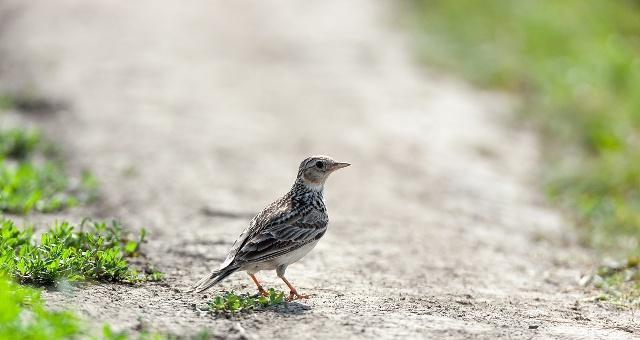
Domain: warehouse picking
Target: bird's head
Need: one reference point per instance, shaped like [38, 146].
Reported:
[315, 170]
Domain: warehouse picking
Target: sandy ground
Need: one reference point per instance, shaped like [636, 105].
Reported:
[194, 116]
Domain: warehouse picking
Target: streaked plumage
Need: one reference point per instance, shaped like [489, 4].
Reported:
[283, 232]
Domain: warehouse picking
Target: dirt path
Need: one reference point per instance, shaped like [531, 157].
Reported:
[195, 116]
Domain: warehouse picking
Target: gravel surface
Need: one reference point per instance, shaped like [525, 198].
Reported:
[194, 115]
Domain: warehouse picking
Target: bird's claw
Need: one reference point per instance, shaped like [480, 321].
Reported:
[263, 292]
[293, 295]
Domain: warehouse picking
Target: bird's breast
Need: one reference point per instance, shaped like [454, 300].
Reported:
[295, 255]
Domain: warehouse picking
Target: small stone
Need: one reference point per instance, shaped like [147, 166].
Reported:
[585, 280]
[533, 326]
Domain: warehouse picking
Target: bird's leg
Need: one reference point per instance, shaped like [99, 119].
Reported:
[293, 294]
[261, 290]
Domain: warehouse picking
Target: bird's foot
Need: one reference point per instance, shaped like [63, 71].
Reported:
[293, 295]
[263, 292]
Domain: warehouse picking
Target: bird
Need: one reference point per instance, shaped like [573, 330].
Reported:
[283, 232]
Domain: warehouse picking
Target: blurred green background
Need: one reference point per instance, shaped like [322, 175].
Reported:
[576, 65]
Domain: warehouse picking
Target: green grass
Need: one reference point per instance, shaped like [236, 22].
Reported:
[91, 251]
[230, 302]
[6, 102]
[18, 143]
[575, 64]
[620, 282]
[23, 316]
[32, 178]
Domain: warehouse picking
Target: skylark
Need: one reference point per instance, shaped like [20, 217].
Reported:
[283, 232]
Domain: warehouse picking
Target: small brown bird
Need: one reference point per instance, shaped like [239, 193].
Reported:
[283, 232]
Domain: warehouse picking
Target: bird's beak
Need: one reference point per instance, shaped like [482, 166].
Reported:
[338, 165]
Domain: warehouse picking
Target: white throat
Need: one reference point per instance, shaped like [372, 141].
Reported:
[315, 187]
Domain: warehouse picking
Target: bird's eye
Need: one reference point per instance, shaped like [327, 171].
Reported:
[319, 165]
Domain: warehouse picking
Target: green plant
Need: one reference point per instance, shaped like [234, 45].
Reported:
[18, 143]
[23, 316]
[6, 102]
[25, 187]
[620, 282]
[154, 276]
[109, 334]
[31, 180]
[90, 251]
[230, 302]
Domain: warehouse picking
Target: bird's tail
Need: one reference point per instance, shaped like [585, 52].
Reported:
[213, 278]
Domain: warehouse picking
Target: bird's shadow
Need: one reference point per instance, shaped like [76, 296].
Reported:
[289, 308]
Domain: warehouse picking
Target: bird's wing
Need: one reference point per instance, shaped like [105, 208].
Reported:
[279, 239]
[275, 214]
